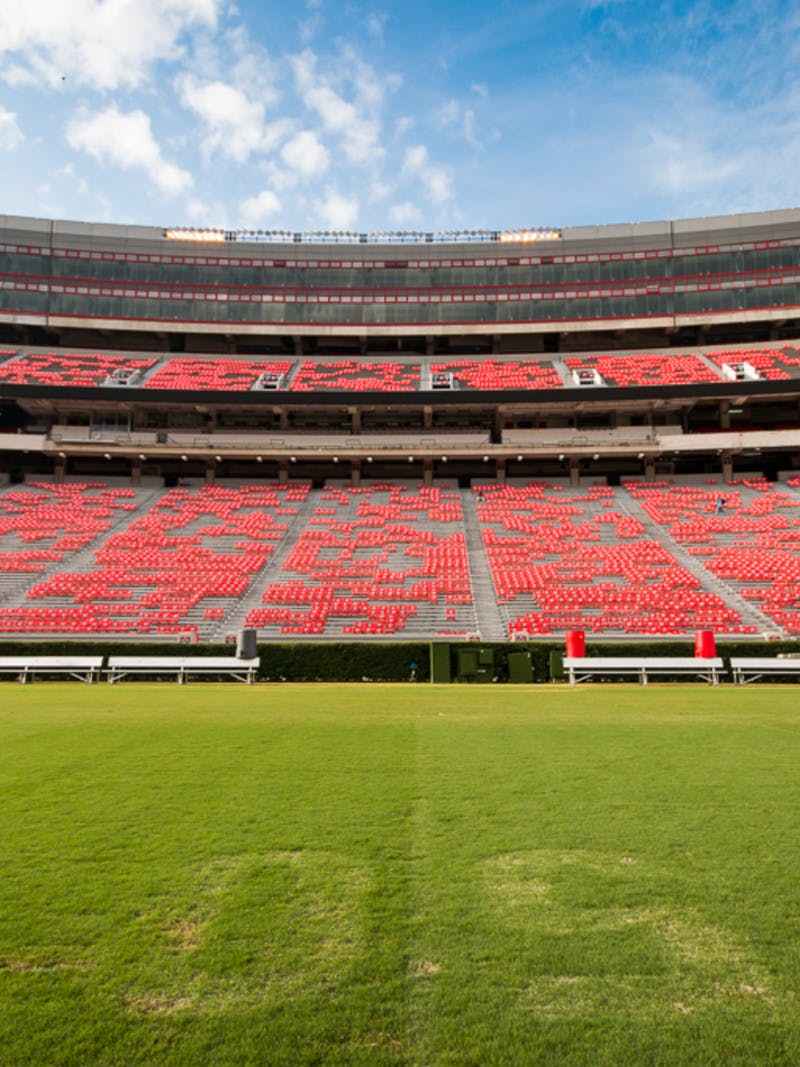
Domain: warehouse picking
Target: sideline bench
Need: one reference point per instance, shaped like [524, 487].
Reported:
[582, 668]
[84, 668]
[242, 670]
[749, 669]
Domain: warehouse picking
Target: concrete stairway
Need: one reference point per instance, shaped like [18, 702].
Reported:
[233, 620]
[709, 582]
[490, 622]
[14, 587]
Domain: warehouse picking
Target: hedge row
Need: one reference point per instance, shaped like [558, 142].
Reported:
[387, 662]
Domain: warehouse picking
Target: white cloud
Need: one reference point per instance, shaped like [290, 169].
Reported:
[280, 178]
[449, 113]
[379, 190]
[336, 211]
[102, 43]
[10, 133]
[308, 28]
[434, 178]
[681, 164]
[206, 214]
[234, 123]
[359, 132]
[375, 23]
[305, 155]
[126, 139]
[416, 158]
[403, 125]
[480, 89]
[452, 114]
[405, 214]
[258, 209]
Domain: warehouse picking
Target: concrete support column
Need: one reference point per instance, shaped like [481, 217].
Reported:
[574, 473]
[430, 346]
[727, 468]
[427, 417]
[649, 470]
[428, 476]
[724, 415]
[355, 472]
[283, 417]
[500, 471]
[298, 347]
[136, 472]
[59, 468]
[355, 419]
[211, 471]
[283, 471]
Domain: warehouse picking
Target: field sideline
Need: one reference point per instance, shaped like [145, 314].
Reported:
[342, 874]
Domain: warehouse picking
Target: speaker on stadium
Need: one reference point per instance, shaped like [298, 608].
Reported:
[247, 644]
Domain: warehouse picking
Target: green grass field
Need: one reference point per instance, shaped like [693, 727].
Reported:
[399, 874]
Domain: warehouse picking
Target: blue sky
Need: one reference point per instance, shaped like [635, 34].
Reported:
[331, 115]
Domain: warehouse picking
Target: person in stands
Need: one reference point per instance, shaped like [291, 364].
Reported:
[720, 507]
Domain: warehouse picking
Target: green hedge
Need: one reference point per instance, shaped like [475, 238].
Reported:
[301, 662]
[345, 662]
[385, 662]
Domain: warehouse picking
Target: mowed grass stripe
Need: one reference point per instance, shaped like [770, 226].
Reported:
[405, 874]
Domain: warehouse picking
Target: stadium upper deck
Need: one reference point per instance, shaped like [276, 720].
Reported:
[731, 278]
[604, 352]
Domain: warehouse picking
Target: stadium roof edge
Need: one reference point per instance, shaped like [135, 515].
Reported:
[702, 230]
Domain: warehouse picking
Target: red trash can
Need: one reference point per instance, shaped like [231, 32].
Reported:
[576, 643]
[704, 646]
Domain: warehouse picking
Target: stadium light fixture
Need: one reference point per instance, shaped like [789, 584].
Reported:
[184, 458]
[106, 455]
[485, 459]
[561, 457]
[218, 459]
[410, 459]
[142, 458]
[596, 455]
[180, 234]
[259, 459]
[293, 459]
[519, 459]
[369, 459]
[444, 459]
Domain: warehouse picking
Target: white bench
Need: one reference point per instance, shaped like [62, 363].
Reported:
[242, 670]
[84, 668]
[751, 668]
[582, 668]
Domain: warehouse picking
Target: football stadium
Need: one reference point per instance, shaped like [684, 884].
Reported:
[458, 436]
[501, 529]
